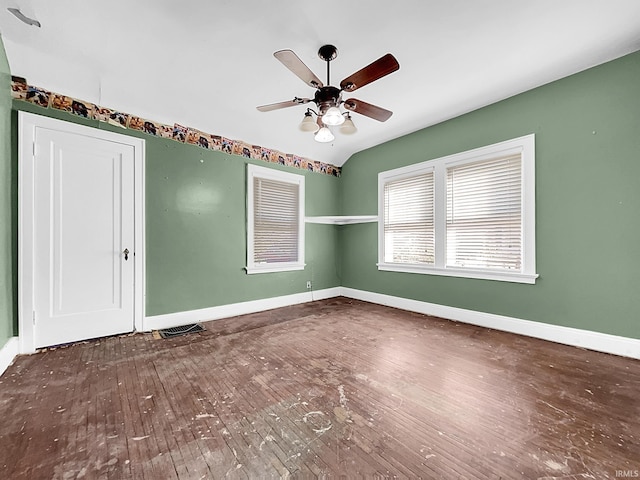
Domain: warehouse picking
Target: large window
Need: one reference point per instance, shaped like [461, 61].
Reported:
[467, 215]
[275, 220]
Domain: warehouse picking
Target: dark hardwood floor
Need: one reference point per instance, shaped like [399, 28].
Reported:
[331, 389]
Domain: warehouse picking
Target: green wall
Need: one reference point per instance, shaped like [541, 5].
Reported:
[196, 231]
[195, 221]
[7, 274]
[587, 130]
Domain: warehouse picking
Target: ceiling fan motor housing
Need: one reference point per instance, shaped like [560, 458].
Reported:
[327, 97]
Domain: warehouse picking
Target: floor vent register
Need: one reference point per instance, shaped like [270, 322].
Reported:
[182, 330]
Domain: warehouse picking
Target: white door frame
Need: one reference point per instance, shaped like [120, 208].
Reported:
[27, 124]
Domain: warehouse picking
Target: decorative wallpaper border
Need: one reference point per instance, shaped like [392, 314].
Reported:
[209, 141]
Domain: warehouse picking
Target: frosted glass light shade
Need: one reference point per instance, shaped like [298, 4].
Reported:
[348, 128]
[333, 116]
[308, 124]
[324, 135]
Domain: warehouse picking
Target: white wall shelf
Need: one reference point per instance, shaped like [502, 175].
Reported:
[342, 219]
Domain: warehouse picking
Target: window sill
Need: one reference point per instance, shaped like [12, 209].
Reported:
[272, 268]
[342, 219]
[461, 273]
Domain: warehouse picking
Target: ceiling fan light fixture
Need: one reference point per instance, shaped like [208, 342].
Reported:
[308, 124]
[333, 116]
[348, 127]
[328, 98]
[324, 135]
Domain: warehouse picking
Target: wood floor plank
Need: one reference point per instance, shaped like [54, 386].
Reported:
[331, 389]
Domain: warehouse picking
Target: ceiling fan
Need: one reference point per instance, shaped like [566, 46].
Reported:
[328, 99]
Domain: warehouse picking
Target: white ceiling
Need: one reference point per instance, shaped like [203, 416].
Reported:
[208, 64]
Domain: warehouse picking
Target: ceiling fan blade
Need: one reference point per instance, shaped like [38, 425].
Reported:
[293, 63]
[383, 66]
[366, 109]
[277, 106]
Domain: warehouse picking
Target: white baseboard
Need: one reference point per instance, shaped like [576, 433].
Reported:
[158, 322]
[327, 293]
[601, 342]
[8, 353]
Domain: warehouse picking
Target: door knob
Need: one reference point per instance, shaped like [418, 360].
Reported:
[126, 254]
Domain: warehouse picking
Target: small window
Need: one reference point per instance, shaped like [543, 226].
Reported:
[467, 215]
[275, 220]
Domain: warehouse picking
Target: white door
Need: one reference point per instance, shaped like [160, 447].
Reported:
[83, 236]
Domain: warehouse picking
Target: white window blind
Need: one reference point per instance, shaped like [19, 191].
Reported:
[408, 220]
[275, 220]
[484, 214]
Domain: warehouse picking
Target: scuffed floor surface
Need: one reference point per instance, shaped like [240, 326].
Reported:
[331, 389]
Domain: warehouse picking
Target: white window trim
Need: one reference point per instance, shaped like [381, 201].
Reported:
[526, 147]
[280, 176]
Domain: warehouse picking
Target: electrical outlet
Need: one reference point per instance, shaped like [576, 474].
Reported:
[309, 285]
